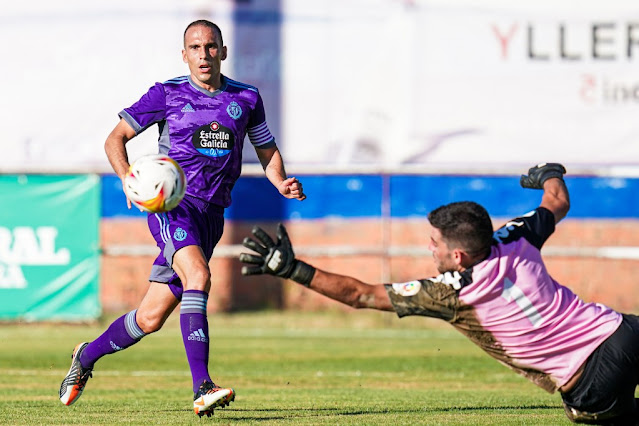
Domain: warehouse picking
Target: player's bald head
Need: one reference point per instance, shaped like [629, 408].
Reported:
[207, 24]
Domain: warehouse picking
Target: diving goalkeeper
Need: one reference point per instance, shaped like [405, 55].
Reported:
[495, 289]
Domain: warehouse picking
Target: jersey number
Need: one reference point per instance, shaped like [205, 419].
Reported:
[511, 292]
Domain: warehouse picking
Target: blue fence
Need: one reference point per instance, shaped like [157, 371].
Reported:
[362, 196]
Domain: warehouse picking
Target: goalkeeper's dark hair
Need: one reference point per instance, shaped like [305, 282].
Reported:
[465, 225]
[203, 22]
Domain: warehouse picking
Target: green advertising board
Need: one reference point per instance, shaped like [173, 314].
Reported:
[49, 247]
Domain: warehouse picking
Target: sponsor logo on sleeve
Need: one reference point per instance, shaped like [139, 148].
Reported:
[407, 289]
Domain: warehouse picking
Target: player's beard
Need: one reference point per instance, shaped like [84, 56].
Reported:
[445, 264]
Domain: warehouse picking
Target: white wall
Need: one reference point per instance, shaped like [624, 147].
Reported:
[385, 82]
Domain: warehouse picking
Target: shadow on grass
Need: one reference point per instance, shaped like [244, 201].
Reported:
[315, 412]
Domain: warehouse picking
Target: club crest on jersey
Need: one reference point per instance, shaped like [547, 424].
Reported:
[234, 110]
[407, 289]
[213, 140]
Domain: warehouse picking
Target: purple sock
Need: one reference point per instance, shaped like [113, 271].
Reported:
[195, 334]
[121, 334]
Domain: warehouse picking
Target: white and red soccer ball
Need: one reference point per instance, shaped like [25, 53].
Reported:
[155, 183]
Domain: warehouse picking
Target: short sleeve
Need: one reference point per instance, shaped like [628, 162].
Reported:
[258, 131]
[536, 227]
[150, 109]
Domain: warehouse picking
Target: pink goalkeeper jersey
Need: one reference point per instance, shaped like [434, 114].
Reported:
[511, 307]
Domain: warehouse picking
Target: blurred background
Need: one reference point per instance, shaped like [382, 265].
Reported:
[384, 109]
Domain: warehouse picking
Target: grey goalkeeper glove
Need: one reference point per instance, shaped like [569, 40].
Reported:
[540, 173]
[274, 258]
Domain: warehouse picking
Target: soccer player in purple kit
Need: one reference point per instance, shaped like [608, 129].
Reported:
[494, 288]
[203, 119]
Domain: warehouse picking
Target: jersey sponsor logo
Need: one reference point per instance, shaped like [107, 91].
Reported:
[179, 234]
[407, 289]
[187, 108]
[214, 140]
[234, 110]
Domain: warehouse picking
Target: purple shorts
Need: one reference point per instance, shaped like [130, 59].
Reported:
[192, 223]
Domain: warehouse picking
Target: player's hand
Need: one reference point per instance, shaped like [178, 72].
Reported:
[274, 258]
[292, 188]
[128, 202]
[540, 173]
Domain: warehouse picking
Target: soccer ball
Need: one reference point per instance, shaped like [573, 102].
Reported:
[155, 183]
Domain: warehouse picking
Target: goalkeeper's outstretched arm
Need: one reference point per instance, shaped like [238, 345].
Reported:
[277, 258]
[550, 178]
[351, 291]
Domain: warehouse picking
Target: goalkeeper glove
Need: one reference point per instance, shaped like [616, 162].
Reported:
[274, 258]
[540, 173]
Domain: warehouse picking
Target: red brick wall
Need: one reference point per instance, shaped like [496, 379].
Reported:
[124, 278]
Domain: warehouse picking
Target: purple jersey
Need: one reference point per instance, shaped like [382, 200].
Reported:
[511, 307]
[203, 131]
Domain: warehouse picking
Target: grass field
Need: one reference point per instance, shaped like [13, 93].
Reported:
[287, 368]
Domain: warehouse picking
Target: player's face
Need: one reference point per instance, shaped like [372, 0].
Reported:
[442, 255]
[204, 53]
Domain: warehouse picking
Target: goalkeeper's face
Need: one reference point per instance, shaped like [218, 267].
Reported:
[446, 259]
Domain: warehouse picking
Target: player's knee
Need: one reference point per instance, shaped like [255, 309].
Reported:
[199, 279]
[149, 323]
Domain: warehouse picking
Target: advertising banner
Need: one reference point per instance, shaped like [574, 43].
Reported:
[451, 84]
[462, 84]
[49, 247]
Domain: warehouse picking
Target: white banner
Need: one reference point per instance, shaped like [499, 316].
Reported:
[455, 83]
[345, 82]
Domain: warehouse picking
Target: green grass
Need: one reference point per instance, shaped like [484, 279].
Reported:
[286, 367]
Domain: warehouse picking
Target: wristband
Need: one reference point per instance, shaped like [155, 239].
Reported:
[303, 273]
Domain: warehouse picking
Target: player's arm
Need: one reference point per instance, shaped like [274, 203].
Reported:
[351, 291]
[115, 148]
[556, 198]
[273, 166]
[277, 258]
[549, 177]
